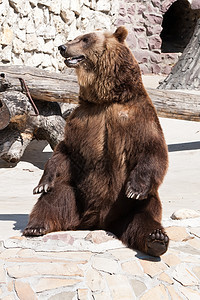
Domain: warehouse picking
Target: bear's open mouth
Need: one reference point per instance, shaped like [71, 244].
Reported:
[74, 60]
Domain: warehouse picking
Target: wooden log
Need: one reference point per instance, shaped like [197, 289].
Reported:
[13, 143]
[176, 104]
[42, 85]
[64, 88]
[25, 125]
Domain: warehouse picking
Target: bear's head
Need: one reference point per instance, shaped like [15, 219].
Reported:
[106, 68]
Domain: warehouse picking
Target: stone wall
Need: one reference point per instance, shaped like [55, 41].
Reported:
[144, 20]
[31, 30]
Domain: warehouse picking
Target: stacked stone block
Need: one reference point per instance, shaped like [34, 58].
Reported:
[31, 30]
[144, 19]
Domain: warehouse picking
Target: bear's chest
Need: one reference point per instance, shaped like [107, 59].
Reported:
[98, 134]
[86, 136]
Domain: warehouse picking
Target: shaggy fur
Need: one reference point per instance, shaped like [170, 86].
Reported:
[106, 172]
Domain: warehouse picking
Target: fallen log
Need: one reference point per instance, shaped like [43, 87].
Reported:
[42, 85]
[176, 104]
[22, 125]
[64, 88]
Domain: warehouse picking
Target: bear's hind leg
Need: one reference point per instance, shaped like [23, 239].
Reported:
[143, 230]
[54, 211]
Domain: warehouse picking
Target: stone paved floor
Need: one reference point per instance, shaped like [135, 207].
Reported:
[94, 265]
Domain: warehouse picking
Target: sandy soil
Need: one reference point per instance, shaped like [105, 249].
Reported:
[181, 188]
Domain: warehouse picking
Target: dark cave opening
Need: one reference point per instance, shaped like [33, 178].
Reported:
[178, 26]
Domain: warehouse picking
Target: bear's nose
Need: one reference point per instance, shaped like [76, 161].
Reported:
[62, 48]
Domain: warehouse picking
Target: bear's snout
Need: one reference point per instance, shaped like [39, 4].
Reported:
[62, 49]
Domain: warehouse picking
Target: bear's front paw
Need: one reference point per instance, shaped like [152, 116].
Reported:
[42, 188]
[34, 231]
[136, 192]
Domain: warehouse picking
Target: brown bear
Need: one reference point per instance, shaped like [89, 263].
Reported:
[105, 174]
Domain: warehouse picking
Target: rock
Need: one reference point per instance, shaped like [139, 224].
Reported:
[99, 236]
[59, 236]
[58, 269]
[38, 16]
[82, 294]
[103, 5]
[156, 293]
[30, 28]
[119, 287]
[7, 36]
[165, 277]
[6, 54]
[105, 264]
[196, 271]
[132, 268]
[2, 274]
[185, 213]
[195, 4]
[63, 296]
[138, 286]
[99, 296]
[177, 234]
[189, 293]
[152, 268]
[31, 42]
[154, 42]
[20, 34]
[23, 289]
[55, 6]
[44, 2]
[33, 2]
[18, 46]
[12, 252]
[183, 275]
[35, 60]
[195, 231]
[195, 243]
[173, 294]
[171, 260]
[94, 280]
[47, 47]
[123, 254]
[75, 6]
[67, 15]
[22, 23]
[45, 284]
[23, 7]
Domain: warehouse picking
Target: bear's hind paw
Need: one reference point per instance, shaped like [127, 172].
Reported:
[157, 243]
[34, 231]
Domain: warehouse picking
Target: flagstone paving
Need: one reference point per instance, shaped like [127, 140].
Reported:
[95, 265]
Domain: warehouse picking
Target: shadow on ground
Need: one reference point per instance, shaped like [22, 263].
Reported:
[184, 146]
[20, 220]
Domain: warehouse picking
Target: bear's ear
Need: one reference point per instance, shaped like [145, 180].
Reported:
[120, 34]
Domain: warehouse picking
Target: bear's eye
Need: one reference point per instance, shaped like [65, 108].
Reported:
[85, 39]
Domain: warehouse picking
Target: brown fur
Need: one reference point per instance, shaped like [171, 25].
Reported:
[106, 172]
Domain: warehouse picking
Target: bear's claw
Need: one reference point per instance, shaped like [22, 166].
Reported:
[34, 231]
[43, 188]
[157, 243]
[130, 193]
